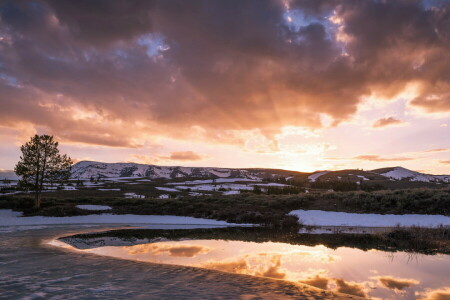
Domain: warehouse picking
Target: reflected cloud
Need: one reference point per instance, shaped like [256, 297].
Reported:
[350, 287]
[320, 256]
[313, 266]
[273, 270]
[262, 264]
[317, 281]
[172, 250]
[394, 283]
[236, 266]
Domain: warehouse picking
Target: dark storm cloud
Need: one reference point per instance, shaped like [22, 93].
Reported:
[103, 21]
[160, 67]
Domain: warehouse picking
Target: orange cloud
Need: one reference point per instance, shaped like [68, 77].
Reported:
[394, 283]
[380, 159]
[143, 77]
[183, 156]
[437, 150]
[388, 121]
[434, 101]
[437, 294]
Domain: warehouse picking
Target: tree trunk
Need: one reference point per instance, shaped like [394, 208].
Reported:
[37, 200]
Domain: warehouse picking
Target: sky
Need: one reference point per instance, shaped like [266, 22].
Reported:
[299, 85]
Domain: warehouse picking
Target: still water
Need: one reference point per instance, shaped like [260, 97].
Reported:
[32, 269]
[368, 274]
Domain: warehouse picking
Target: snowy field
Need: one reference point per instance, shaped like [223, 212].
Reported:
[12, 218]
[330, 218]
[218, 180]
[316, 175]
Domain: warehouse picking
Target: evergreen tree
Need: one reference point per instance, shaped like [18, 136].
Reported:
[41, 163]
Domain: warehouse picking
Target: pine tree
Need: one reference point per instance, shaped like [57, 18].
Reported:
[41, 163]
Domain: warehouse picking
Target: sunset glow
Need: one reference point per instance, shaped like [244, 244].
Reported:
[298, 85]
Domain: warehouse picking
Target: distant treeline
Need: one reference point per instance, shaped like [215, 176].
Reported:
[340, 186]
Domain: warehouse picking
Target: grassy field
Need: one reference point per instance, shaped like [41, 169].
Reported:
[267, 210]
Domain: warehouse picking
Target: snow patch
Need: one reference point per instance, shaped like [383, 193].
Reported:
[166, 189]
[271, 184]
[399, 173]
[218, 180]
[12, 218]
[94, 207]
[231, 193]
[331, 218]
[133, 196]
[315, 176]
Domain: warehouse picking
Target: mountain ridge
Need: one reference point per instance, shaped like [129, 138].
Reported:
[85, 170]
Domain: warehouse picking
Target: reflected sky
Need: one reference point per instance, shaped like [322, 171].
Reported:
[371, 274]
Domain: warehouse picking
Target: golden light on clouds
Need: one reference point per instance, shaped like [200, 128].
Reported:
[308, 80]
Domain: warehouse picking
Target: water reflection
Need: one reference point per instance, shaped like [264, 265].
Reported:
[367, 274]
[171, 250]
[261, 264]
[351, 288]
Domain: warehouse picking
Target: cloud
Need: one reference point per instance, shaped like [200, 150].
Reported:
[122, 73]
[388, 121]
[437, 294]
[183, 156]
[435, 98]
[381, 159]
[394, 283]
[444, 161]
[437, 150]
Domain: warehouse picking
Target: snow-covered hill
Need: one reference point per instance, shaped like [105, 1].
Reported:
[88, 169]
[399, 173]
[8, 175]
